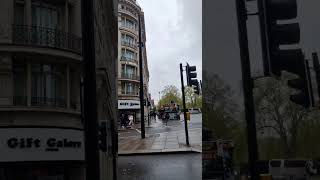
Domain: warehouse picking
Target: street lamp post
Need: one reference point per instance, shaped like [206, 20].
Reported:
[89, 92]
[141, 82]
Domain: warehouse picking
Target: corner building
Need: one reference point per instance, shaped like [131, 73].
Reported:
[128, 66]
[41, 129]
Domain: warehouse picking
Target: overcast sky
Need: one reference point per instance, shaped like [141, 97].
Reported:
[174, 36]
[220, 37]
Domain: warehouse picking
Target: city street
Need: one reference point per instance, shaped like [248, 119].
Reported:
[161, 138]
[157, 126]
[160, 167]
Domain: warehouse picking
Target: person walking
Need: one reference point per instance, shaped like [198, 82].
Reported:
[130, 121]
[126, 120]
[167, 117]
[122, 121]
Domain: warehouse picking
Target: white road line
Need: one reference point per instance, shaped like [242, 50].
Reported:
[138, 131]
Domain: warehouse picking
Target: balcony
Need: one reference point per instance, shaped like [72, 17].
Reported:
[123, 58]
[19, 100]
[51, 102]
[130, 28]
[129, 76]
[129, 93]
[129, 44]
[45, 37]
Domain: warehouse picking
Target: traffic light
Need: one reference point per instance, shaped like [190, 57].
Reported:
[191, 75]
[103, 136]
[196, 88]
[278, 34]
[301, 84]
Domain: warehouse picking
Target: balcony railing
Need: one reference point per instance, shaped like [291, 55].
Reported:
[19, 100]
[128, 27]
[45, 101]
[123, 58]
[129, 44]
[45, 37]
[129, 76]
[130, 93]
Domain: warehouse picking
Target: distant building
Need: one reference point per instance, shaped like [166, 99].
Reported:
[128, 66]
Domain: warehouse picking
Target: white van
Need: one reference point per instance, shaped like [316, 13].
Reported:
[194, 110]
[285, 169]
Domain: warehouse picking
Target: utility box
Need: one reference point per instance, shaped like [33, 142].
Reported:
[188, 116]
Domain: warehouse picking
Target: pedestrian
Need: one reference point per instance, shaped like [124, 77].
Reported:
[155, 115]
[131, 121]
[126, 120]
[167, 117]
[122, 121]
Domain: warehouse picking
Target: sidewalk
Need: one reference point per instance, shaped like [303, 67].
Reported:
[161, 143]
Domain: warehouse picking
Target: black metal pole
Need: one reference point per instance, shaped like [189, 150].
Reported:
[141, 82]
[310, 83]
[264, 36]
[184, 106]
[147, 102]
[247, 88]
[316, 67]
[90, 98]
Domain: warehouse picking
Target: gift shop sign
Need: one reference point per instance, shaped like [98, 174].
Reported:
[128, 104]
[41, 144]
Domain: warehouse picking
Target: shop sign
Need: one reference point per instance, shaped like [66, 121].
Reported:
[128, 104]
[41, 144]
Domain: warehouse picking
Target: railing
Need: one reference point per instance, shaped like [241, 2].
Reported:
[129, 44]
[19, 100]
[123, 58]
[45, 101]
[130, 93]
[129, 76]
[45, 37]
[128, 27]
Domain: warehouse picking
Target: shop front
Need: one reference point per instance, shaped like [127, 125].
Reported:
[130, 108]
[41, 153]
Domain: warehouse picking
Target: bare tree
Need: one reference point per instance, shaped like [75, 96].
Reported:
[275, 111]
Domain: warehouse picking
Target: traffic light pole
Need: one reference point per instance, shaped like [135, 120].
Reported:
[247, 88]
[141, 83]
[264, 36]
[90, 97]
[309, 83]
[316, 67]
[184, 106]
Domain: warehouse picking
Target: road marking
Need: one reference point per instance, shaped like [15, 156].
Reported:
[138, 131]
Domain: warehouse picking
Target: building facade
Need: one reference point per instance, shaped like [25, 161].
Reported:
[41, 128]
[128, 66]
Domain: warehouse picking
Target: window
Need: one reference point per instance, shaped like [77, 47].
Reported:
[130, 54]
[19, 13]
[130, 70]
[130, 88]
[45, 15]
[20, 85]
[130, 24]
[48, 85]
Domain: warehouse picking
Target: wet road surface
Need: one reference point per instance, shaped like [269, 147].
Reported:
[160, 167]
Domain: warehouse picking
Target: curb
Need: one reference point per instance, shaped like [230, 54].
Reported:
[159, 153]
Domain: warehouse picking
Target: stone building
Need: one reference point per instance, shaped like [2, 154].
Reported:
[128, 68]
[41, 129]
